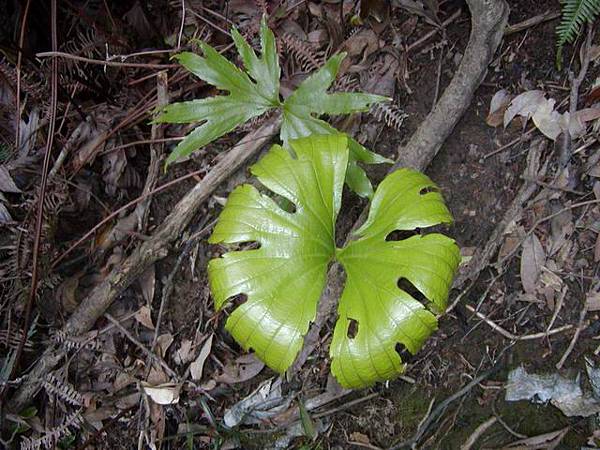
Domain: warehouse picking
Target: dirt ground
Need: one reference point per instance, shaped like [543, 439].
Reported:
[478, 189]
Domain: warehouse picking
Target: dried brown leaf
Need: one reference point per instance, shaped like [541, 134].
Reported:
[532, 260]
[197, 367]
[498, 106]
[7, 184]
[242, 369]
[144, 317]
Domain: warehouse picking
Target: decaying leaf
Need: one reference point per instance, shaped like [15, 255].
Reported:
[197, 366]
[592, 300]
[163, 394]
[564, 393]
[242, 369]
[144, 317]
[498, 105]
[265, 402]
[525, 104]
[532, 260]
[6, 182]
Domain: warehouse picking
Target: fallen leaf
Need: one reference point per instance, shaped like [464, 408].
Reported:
[163, 342]
[184, 353]
[6, 182]
[147, 282]
[532, 260]
[163, 394]
[144, 317]
[197, 367]
[525, 104]
[498, 106]
[4, 214]
[592, 301]
[547, 120]
[597, 249]
[360, 437]
[242, 369]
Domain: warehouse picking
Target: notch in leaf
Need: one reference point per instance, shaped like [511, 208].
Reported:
[283, 279]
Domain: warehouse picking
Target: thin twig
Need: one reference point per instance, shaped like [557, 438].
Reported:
[41, 194]
[19, 64]
[478, 432]
[157, 359]
[580, 327]
[104, 63]
[513, 337]
[439, 410]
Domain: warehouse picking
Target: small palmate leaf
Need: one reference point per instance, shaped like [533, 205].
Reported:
[250, 94]
[284, 278]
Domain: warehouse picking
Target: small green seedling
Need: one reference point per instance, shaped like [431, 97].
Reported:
[283, 279]
[256, 91]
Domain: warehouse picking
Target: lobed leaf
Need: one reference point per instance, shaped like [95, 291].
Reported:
[284, 278]
[247, 97]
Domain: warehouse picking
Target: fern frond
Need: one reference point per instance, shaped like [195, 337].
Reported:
[63, 390]
[308, 58]
[574, 14]
[51, 437]
[390, 114]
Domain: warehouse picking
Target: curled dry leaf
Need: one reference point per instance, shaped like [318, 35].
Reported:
[498, 106]
[197, 367]
[525, 104]
[144, 317]
[163, 394]
[147, 282]
[532, 260]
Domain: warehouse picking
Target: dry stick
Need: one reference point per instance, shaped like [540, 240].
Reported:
[488, 19]
[40, 201]
[469, 443]
[580, 327]
[513, 337]
[105, 63]
[150, 251]
[567, 150]
[439, 409]
[531, 22]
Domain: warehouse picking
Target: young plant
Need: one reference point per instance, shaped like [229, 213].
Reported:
[256, 91]
[283, 279]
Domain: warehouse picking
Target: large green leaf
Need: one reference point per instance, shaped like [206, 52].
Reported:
[283, 278]
[250, 94]
[384, 314]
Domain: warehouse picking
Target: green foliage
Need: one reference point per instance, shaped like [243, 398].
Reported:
[256, 91]
[283, 279]
[574, 14]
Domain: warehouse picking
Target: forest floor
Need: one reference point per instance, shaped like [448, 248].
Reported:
[533, 303]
